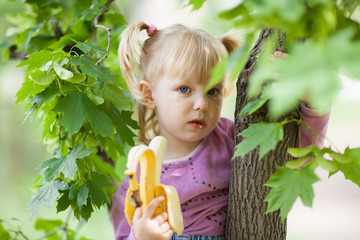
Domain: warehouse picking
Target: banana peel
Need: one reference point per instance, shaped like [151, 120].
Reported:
[139, 195]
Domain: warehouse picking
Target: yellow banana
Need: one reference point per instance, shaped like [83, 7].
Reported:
[150, 159]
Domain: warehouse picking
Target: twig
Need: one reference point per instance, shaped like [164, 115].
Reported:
[109, 42]
[19, 232]
[319, 134]
[62, 227]
[96, 25]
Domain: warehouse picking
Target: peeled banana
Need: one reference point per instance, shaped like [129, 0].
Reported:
[150, 159]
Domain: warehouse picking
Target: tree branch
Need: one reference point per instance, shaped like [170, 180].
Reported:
[109, 42]
[63, 227]
[96, 25]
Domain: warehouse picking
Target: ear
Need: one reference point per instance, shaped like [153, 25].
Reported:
[146, 94]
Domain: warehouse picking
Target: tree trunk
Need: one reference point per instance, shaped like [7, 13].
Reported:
[246, 212]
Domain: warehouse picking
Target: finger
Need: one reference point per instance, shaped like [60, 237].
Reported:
[278, 54]
[137, 213]
[161, 218]
[150, 209]
[168, 234]
[165, 227]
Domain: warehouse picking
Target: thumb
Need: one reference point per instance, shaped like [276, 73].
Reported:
[150, 209]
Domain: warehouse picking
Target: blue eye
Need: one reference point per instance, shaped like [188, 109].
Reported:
[184, 90]
[213, 92]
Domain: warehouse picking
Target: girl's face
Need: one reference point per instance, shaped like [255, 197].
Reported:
[185, 112]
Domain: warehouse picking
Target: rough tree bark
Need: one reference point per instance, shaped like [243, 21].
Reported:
[246, 212]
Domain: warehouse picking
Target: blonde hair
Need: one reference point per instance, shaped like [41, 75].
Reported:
[178, 51]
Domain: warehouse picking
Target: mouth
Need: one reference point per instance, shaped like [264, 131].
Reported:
[197, 123]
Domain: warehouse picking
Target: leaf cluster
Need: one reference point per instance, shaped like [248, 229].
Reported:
[81, 100]
[322, 42]
[53, 230]
[295, 179]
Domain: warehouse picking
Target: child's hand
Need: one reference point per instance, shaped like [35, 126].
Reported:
[278, 54]
[146, 227]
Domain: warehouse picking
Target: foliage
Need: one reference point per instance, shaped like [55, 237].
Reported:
[263, 134]
[53, 229]
[322, 42]
[74, 85]
[287, 185]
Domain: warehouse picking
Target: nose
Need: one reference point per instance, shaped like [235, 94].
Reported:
[201, 102]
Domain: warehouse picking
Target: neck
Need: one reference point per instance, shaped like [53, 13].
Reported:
[176, 149]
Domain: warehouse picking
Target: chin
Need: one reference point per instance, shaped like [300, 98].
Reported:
[195, 139]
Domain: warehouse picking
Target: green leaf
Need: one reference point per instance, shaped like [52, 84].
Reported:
[76, 102]
[94, 98]
[297, 163]
[217, 74]
[88, 67]
[77, 78]
[301, 152]
[310, 69]
[121, 123]
[47, 193]
[96, 189]
[48, 225]
[196, 4]
[41, 98]
[87, 46]
[43, 78]
[86, 210]
[104, 167]
[234, 12]
[253, 106]
[4, 235]
[82, 196]
[89, 13]
[117, 97]
[263, 134]
[351, 169]
[325, 164]
[79, 32]
[24, 91]
[62, 72]
[287, 185]
[238, 59]
[288, 11]
[63, 202]
[341, 158]
[37, 59]
[65, 164]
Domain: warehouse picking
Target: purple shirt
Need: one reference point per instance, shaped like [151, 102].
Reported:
[202, 179]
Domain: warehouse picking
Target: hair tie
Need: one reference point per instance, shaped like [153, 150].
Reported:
[218, 38]
[151, 29]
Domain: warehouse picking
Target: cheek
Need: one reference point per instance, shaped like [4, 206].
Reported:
[216, 105]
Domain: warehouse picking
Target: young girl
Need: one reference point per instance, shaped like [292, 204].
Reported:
[169, 85]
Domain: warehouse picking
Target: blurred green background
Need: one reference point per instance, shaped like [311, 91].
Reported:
[336, 208]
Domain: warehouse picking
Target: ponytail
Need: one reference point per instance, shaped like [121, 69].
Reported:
[230, 42]
[129, 55]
